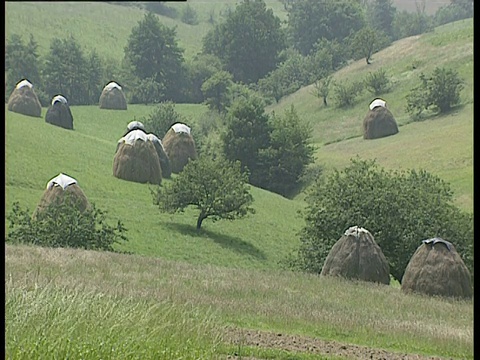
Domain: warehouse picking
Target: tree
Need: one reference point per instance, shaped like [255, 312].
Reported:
[198, 70]
[65, 71]
[367, 41]
[153, 53]
[161, 119]
[322, 88]
[216, 187]
[215, 90]
[399, 208]
[247, 131]
[456, 10]
[248, 42]
[380, 15]
[22, 62]
[438, 92]
[281, 165]
[311, 20]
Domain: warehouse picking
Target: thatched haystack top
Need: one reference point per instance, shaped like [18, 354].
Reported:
[133, 136]
[377, 102]
[135, 125]
[59, 98]
[112, 85]
[181, 128]
[23, 83]
[61, 180]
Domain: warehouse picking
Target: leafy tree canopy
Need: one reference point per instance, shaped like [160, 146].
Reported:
[400, 209]
[312, 20]
[248, 42]
[216, 187]
[153, 53]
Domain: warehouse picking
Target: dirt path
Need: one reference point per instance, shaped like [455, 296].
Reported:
[295, 343]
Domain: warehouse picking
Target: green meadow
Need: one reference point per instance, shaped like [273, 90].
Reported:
[179, 290]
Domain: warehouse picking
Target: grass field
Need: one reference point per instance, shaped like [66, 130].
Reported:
[180, 289]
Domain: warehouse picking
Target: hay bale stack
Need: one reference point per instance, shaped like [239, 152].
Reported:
[60, 189]
[436, 269]
[24, 100]
[379, 121]
[112, 97]
[59, 113]
[179, 146]
[162, 155]
[137, 160]
[356, 255]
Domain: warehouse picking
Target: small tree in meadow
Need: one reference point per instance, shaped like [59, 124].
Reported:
[216, 187]
[346, 92]
[377, 82]
[438, 92]
[321, 88]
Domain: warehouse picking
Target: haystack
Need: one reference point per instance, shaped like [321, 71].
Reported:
[24, 100]
[137, 160]
[356, 255]
[59, 189]
[162, 155]
[436, 269]
[59, 113]
[379, 123]
[179, 146]
[112, 97]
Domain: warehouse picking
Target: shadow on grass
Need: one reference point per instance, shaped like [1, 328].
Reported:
[231, 242]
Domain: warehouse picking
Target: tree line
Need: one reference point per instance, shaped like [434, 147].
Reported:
[251, 47]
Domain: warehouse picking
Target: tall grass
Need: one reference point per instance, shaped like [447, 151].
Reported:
[53, 295]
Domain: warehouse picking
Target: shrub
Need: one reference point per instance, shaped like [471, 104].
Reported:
[63, 225]
[438, 92]
[400, 209]
[345, 92]
[377, 82]
[162, 117]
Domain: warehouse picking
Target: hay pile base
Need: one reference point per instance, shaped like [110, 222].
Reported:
[59, 114]
[437, 271]
[180, 149]
[56, 195]
[113, 99]
[356, 255]
[25, 101]
[379, 123]
[138, 163]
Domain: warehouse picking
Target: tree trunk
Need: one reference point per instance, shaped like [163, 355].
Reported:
[200, 219]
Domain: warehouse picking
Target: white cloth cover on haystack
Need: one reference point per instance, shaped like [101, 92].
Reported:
[438, 240]
[179, 128]
[355, 230]
[377, 102]
[135, 124]
[61, 180]
[154, 139]
[23, 83]
[133, 136]
[59, 98]
[112, 85]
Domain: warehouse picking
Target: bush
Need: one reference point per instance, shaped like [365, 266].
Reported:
[63, 225]
[161, 119]
[345, 93]
[438, 92]
[377, 82]
[400, 209]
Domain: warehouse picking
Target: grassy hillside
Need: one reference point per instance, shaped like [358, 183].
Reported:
[37, 151]
[106, 27]
[442, 145]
